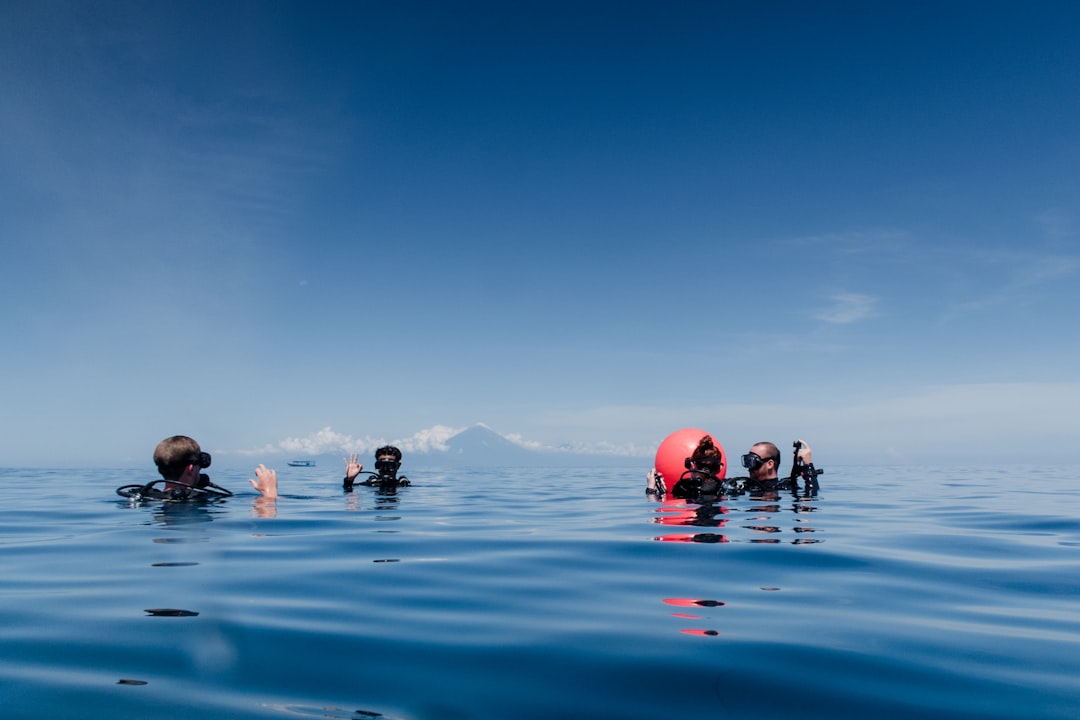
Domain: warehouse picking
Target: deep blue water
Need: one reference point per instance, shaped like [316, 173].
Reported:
[532, 593]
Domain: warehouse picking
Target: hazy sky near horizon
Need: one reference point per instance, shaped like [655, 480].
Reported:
[280, 226]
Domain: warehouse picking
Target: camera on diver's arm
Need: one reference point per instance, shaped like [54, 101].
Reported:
[806, 471]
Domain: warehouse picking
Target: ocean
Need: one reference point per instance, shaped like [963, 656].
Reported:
[542, 593]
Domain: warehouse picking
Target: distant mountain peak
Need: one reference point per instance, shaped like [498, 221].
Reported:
[480, 441]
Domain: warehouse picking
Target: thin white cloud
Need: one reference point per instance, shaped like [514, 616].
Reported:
[848, 308]
[431, 439]
[328, 440]
[880, 241]
[581, 448]
[325, 440]
[1045, 269]
[1025, 273]
[518, 439]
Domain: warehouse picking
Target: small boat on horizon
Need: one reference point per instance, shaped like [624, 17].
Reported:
[301, 463]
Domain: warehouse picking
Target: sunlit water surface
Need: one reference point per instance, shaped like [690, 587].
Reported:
[533, 593]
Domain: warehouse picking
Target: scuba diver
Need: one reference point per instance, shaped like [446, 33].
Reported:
[180, 461]
[387, 463]
[702, 467]
[762, 462]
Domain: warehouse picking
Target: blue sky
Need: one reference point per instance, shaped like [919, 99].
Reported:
[286, 227]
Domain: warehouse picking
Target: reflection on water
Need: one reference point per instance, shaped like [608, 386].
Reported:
[770, 517]
[522, 593]
[182, 513]
[761, 517]
[328, 712]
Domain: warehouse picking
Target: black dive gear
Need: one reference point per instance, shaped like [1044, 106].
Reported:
[752, 461]
[198, 459]
[694, 484]
[202, 459]
[704, 488]
[387, 468]
[380, 479]
[204, 489]
[807, 472]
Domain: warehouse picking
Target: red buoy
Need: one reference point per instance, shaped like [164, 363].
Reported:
[676, 448]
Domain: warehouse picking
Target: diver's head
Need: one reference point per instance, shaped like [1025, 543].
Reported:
[763, 461]
[706, 457]
[179, 455]
[387, 461]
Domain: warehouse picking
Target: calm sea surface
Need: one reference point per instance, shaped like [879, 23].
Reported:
[533, 593]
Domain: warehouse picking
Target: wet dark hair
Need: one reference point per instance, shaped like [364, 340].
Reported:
[388, 450]
[707, 456]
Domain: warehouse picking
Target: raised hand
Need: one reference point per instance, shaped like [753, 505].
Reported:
[267, 481]
[352, 466]
[805, 454]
